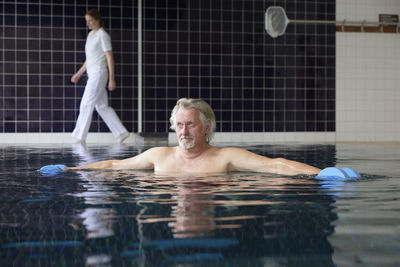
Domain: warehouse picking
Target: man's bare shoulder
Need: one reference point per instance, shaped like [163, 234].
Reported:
[237, 153]
[160, 150]
[230, 150]
[146, 160]
[228, 153]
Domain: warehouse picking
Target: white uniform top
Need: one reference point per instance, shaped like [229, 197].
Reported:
[96, 45]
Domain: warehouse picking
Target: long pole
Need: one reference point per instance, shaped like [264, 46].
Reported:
[140, 66]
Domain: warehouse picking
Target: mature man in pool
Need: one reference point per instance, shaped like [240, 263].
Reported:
[194, 123]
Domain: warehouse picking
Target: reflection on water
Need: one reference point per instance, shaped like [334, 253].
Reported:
[196, 204]
[137, 218]
[251, 216]
[193, 202]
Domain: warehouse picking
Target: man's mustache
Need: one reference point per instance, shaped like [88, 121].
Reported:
[186, 137]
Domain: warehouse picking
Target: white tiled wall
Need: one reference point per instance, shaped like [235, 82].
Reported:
[367, 76]
[358, 10]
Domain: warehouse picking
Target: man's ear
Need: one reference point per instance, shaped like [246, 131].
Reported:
[208, 127]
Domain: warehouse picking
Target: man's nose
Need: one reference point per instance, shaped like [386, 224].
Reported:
[185, 129]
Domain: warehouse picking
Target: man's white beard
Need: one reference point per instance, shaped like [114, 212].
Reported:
[187, 142]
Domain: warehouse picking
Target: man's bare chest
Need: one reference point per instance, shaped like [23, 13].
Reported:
[201, 165]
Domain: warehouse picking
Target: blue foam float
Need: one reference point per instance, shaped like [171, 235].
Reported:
[50, 170]
[333, 173]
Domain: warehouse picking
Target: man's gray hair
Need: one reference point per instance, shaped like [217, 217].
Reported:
[207, 115]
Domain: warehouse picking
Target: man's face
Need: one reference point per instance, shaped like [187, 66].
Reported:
[189, 128]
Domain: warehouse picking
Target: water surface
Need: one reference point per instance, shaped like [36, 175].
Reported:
[137, 218]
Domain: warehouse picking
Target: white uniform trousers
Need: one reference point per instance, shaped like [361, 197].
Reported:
[95, 96]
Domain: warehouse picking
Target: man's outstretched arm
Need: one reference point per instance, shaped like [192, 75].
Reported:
[243, 160]
[140, 162]
[100, 165]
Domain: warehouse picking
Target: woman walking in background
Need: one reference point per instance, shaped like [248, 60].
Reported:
[99, 65]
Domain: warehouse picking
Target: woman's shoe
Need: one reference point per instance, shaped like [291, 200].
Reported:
[123, 137]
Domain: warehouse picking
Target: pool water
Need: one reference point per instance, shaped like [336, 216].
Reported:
[137, 218]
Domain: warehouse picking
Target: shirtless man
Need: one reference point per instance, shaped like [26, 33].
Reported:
[194, 123]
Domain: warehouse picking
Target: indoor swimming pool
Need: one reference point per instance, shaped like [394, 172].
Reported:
[137, 218]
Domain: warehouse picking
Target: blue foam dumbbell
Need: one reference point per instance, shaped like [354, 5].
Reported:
[50, 170]
[333, 173]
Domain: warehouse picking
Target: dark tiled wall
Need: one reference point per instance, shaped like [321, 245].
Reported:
[42, 46]
[214, 49]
